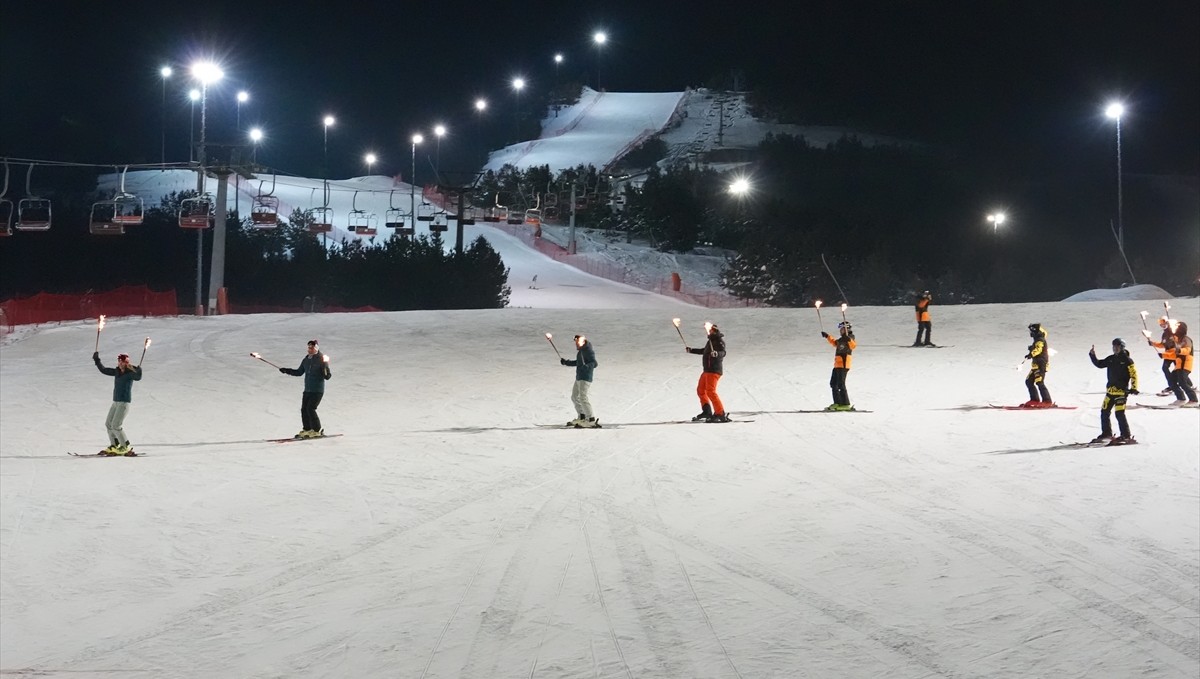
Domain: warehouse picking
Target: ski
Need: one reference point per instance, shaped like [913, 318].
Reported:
[572, 426]
[294, 439]
[1053, 407]
[103, 454]
[1139, 406]
[924, 346]
[1118, 442]
[813, 412]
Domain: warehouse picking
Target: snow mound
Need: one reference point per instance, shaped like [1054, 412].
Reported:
[1133, 292]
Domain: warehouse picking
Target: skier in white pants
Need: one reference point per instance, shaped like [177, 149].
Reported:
[585, 365]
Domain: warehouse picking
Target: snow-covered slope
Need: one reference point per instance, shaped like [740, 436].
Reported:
[447, 535]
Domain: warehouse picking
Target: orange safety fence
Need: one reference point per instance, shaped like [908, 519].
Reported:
[47, 307]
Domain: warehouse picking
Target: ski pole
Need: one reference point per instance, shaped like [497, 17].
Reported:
[99, 327]
[550, 339]
[144, 348]
[675, 322]
[819, 321]
[255, 355]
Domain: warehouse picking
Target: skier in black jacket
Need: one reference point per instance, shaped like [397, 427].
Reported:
[314, 368]
[713, 353]
[1121, 372]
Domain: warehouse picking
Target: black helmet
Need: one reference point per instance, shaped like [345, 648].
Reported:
[1118, 344]
[845, 325]
[1035, 329]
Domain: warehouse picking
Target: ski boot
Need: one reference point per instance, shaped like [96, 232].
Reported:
[588, 423]
[1122, 440]
[1103, 438]
[705, 414]
[575, 422]
[126, 450]
[719, 417]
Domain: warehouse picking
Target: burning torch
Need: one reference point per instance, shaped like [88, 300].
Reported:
[144, 348]
[254, 354]
[550, 339]
[675, 322]
[99, 327]
[819, 321]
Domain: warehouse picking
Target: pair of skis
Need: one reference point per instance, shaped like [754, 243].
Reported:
[287, 440]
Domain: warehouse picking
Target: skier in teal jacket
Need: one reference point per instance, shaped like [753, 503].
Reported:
[585, 367]
[124, 376]
[314, 368]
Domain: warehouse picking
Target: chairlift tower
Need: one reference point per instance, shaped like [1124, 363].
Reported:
[459, 185]
[223, 160]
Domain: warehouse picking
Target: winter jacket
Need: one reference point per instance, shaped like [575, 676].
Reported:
[716, 343]
[1167, 345]
[922, 309]
[843, 346]
[584, 362]
[1184, 350]
[1120, 370]
[315, 371]
[1040, 353]
[123, 384]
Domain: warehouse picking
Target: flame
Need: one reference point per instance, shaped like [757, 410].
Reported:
[548, 336]
[1145, 314]
[147, 341]
[580, 340]
[675, 321]
[326, 357]
[1053, 352]
[708, 326]
[254, 354]
[818, 305]
[844, 305]
[100, 323]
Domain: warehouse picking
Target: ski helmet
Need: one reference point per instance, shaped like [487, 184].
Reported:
[845, 325]
[122, 357]
[1118, 344]
[1035, 329]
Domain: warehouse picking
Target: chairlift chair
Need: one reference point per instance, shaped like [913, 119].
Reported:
[128, 209]
[264, 212]
[468, 217]
[103, 219]
[6, 215]
[425, 212]
[491, 214]
[364, 223]
[196, 213]
[394, 218]
[438, 222]
[320, 219]
[33, 213]
[533, 216]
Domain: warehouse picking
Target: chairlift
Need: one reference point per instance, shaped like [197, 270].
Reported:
[320, 219]
[103, 219]
[264, 209]
[438, 222]
[33, 213]
[361, 222]
[128, 209]
[397, 219]
[196, 213]
[514, 217]
[425, 212]
[468, 216]
[533, 215]
[6, 207]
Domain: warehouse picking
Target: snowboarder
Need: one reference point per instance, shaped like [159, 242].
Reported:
[923, 322]
[1122, 381]
[124, 376]
[585, 367]
[1167, 344]
[1035, 381]
[1182, 377]
[843, 347]
[314, 368]
[713, 357]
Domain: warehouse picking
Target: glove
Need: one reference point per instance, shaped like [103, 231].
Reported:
[714, 354]
[687, 350]
[562, 361]
[1028, 356]
[328, 374]
[283, 370]
[1133, 392]
[824, 334]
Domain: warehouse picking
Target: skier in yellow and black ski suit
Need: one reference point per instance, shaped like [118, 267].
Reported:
[1122, 381]
[1035, 381]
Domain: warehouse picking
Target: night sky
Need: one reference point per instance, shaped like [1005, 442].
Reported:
[1017, 85]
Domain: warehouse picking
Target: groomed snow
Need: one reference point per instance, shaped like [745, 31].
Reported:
[446, 535]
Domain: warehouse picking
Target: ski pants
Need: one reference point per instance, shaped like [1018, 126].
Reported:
[1182, 385]
[308, 410]
[1169, 373]
[116, 421]
[1035, 382]
[1114, 399]
[924, 327]
[837, 382]
[706, 389]
[579, 398]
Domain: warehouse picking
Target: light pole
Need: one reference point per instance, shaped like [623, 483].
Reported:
[1114, 111]
[165, 72]
[256, 135]
[193, 96]
[369, 159]
[439, 131]
[327, 122]
[599, 38]
[518, 84]
[242, 97]
[206, 72]
[412, 181]
[996, 219]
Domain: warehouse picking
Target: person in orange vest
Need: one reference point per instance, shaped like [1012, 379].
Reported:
[1182, 377]
[923, 323]
[1167, 345]
[843, 346]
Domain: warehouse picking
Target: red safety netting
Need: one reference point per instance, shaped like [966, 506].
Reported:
[45, 307]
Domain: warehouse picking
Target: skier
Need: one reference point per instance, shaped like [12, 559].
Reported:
[314, 368]
[585, 366]
[923, 323]
[124, 376]
[1035, 381]
[1122, 381]
[843, 347]
[1167, 344]
[1181, 377]
[713, 357]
